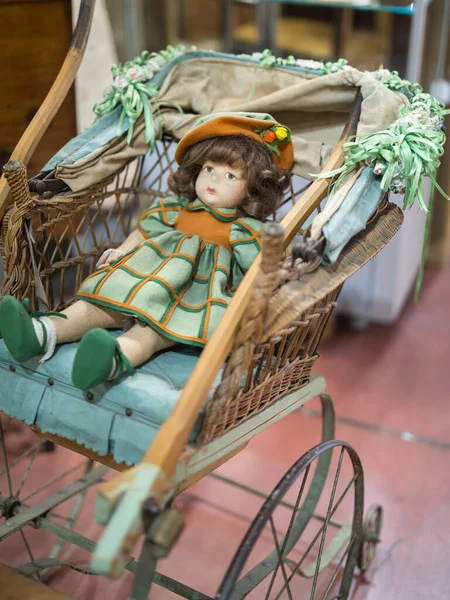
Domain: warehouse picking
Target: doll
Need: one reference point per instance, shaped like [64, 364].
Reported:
[176, 273]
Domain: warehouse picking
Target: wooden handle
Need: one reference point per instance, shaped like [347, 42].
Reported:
[272, 246]
[16, 175]
[42, 119]
[251, 327]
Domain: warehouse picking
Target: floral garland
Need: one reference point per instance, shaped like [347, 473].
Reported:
[133, 89]
[267, 59]
[393, 81]
[389, 78]
[408, 150]
[402, 155]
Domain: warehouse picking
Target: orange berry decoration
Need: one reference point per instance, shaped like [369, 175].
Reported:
[270, 137]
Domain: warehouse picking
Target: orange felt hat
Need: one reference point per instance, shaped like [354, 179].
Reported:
[266, 131]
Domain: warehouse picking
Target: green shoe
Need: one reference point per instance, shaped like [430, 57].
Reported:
[17, 329]
[94, 360]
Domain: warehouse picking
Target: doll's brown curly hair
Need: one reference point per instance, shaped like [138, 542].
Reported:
[266, 182]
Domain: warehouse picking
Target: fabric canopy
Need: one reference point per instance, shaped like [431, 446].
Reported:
[314, 107]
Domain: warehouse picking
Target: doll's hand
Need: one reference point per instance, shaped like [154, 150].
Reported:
[108, 257]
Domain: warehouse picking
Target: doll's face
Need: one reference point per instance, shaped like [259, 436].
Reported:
[220, 185]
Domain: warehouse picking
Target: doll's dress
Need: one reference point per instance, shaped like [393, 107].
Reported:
[180, 280]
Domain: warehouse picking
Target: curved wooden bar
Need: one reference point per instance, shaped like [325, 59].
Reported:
[42, 119]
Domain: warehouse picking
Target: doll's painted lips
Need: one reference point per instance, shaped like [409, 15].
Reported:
[211, 190]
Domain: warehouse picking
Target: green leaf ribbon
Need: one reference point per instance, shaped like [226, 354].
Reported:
[133, 89]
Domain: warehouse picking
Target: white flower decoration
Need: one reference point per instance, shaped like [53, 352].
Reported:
[146, 74]
[378, 169]
[134, 73]
[304, 63]
[120, 82]
[382, 74]
[397, 185]
[155, 63]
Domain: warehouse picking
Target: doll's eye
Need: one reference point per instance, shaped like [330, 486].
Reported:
[208, 169]
[230, 176]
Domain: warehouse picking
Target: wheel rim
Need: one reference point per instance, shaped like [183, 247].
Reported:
[17, 496]
[373, 523]
[275, 577]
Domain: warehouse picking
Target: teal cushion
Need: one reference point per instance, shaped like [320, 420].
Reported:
[121, 419]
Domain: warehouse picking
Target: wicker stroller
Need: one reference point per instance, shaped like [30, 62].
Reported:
[255, 370]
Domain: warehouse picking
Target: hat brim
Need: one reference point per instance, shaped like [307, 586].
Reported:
[230, 125]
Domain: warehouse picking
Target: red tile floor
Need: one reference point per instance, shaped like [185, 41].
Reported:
[391, 391]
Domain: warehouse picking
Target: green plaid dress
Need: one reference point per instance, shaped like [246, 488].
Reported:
[178, 282]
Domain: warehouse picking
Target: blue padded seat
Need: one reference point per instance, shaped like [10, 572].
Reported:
[121, 419]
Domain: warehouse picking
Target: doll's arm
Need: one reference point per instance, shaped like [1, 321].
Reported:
[132, 241]
[245, 246]
[161, 217]
[245, 240]
[113, 254]
[158, 219]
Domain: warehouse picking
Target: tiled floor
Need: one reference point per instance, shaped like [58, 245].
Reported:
[390, 387]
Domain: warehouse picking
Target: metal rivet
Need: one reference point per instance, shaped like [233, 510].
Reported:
[128, 412]
[12, 368]
[50, 381]
[90, 396]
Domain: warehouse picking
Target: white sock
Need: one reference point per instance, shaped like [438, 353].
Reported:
[41, 324]
[113, 370]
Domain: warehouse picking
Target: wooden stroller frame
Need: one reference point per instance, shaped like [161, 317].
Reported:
[171, 464]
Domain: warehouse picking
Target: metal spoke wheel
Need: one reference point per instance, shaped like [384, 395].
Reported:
[292, 552]
[35, 496]
[373, 523]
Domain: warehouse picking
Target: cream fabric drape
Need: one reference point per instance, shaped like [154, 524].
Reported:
[315, 108]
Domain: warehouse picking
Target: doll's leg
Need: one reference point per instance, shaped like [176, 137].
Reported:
[26, 336]
[138, 344]
[100, 356]
[81, 317]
